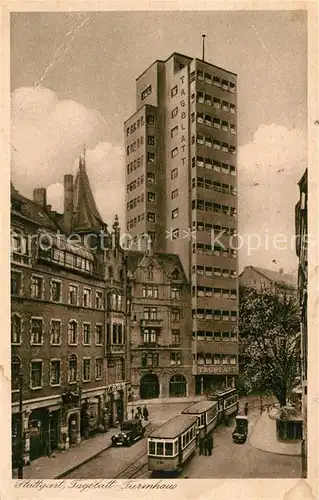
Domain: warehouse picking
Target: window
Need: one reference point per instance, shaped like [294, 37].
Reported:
[15, 283]
[150, 119]
[232, 360]
[56, 289]
[174, 173]
[36, 374]
[176, 337]
[150, 178]
[208, 78]
[150, 157]
[232, 87]
[174, 152]
[99, 300]
[72, 369]
[216, 81]
[36, 331]
[98, 335]
[86, 297]
[146, 92]
[175, 234]
[16, 329]
[73, 294]
[174, 194]
[151, 140]
[150, 216]
[86, 333]
[15, 373]
[200, 75]
[174, 91]
[55, 372]
[175, 213]
[98, 368]
[72, 332]
[151, 197]
[232, 109]
[174, 112]
[55, 334]
[36, 287]
[174, 131]
[86, 370]
[175, 315]
[175, 292]
[176, 358]
[149, 336]
[150, 313]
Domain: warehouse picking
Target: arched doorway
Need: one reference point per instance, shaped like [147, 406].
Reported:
[177, 386]
[149, 386]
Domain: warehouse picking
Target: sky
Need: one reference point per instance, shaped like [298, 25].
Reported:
[73, 82]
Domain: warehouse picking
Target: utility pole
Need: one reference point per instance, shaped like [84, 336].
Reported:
[127, 337]
[20, 433]
[203, 36]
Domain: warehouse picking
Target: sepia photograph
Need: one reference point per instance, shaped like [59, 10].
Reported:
[159, 244]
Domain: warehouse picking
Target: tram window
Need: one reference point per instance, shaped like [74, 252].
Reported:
[202, 419]
[151, 447]
[160, 448]
[184, 440]
[191, 431]
[168, 449]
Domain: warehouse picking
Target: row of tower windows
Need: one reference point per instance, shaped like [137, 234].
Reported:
[215, 335]
[206, 291]
[214, 250]
[205, 183]
[215, 102]
[133, 165]
[136, 220]
[206, 77]
[207, 226]
[136, 201]
[209, 142]
[214, 271]
[210, 164]
[150, 120]
[215, 314]
[209, 206]
[135, 184]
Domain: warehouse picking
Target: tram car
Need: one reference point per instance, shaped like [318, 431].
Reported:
[228, 404]
[207, 413]
[172, 444]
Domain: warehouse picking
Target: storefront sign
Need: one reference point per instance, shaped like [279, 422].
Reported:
[218, 369]
[116, 387]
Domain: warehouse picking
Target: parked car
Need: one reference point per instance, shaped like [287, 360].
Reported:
[131, 430]
[241, 430]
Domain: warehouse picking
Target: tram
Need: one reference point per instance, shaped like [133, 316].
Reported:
[228, 404]
[207, 413]
[172, 444]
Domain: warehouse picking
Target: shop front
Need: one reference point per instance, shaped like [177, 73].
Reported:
[116, 405]
[92, 416]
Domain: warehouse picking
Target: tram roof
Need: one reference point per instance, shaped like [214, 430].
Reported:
[225, 391]
[200, 407]
[174, 427]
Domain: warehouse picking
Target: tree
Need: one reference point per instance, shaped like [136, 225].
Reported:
[269, 340]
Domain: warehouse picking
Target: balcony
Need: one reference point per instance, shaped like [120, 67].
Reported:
[151, 323]
[115, 349]
[215, 370]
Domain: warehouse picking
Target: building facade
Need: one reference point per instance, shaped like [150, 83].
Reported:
[161, 356]
[259, 278]
[181, 190]
[67, 300]
[301, 219]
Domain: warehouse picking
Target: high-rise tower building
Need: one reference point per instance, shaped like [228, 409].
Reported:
[181, 181]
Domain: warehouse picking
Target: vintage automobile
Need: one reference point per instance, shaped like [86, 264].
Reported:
[131, 430]
[241, 430]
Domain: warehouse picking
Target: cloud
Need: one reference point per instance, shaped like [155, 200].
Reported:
[269, 168]
[48, 134]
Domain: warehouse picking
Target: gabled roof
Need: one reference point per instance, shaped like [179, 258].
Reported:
[30, 210]
[169, 261]
[276, 277]
[86, 215]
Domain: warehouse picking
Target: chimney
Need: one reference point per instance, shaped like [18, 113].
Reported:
[40, 196]
[281, 270]
[68, 202]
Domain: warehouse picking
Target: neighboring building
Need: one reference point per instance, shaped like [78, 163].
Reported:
[181, 185]
[63, 301]
[259, 278]
[301, 218]
[161, 355]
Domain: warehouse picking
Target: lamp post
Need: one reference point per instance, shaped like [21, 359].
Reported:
[20, 432]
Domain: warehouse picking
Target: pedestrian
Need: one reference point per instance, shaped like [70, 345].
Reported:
[145, 413]
[206, 446]
[139, 411]
[212, 441]
[137, 416]
[246, 409]
[132, 412]
[201, 446]
[209, 445]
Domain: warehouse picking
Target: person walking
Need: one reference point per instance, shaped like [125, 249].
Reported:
[209, 445]
[206, 446]
[139, 411]
[132, 412]
[145, 412]
[246, 409]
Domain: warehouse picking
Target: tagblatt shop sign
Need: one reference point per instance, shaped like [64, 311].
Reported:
[217, 369]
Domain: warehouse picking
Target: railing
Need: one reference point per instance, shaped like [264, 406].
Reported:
[151, 323]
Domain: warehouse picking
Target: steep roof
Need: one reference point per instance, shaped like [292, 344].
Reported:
[169, 261]
[23, 207]
[86, 215]
[276, 277]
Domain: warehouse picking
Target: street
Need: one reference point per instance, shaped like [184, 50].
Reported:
[228, 460]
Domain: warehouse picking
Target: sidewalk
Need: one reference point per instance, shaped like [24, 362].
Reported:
[263, 437]
[63, 462]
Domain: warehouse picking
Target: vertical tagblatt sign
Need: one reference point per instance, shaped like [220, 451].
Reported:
[184, 116]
